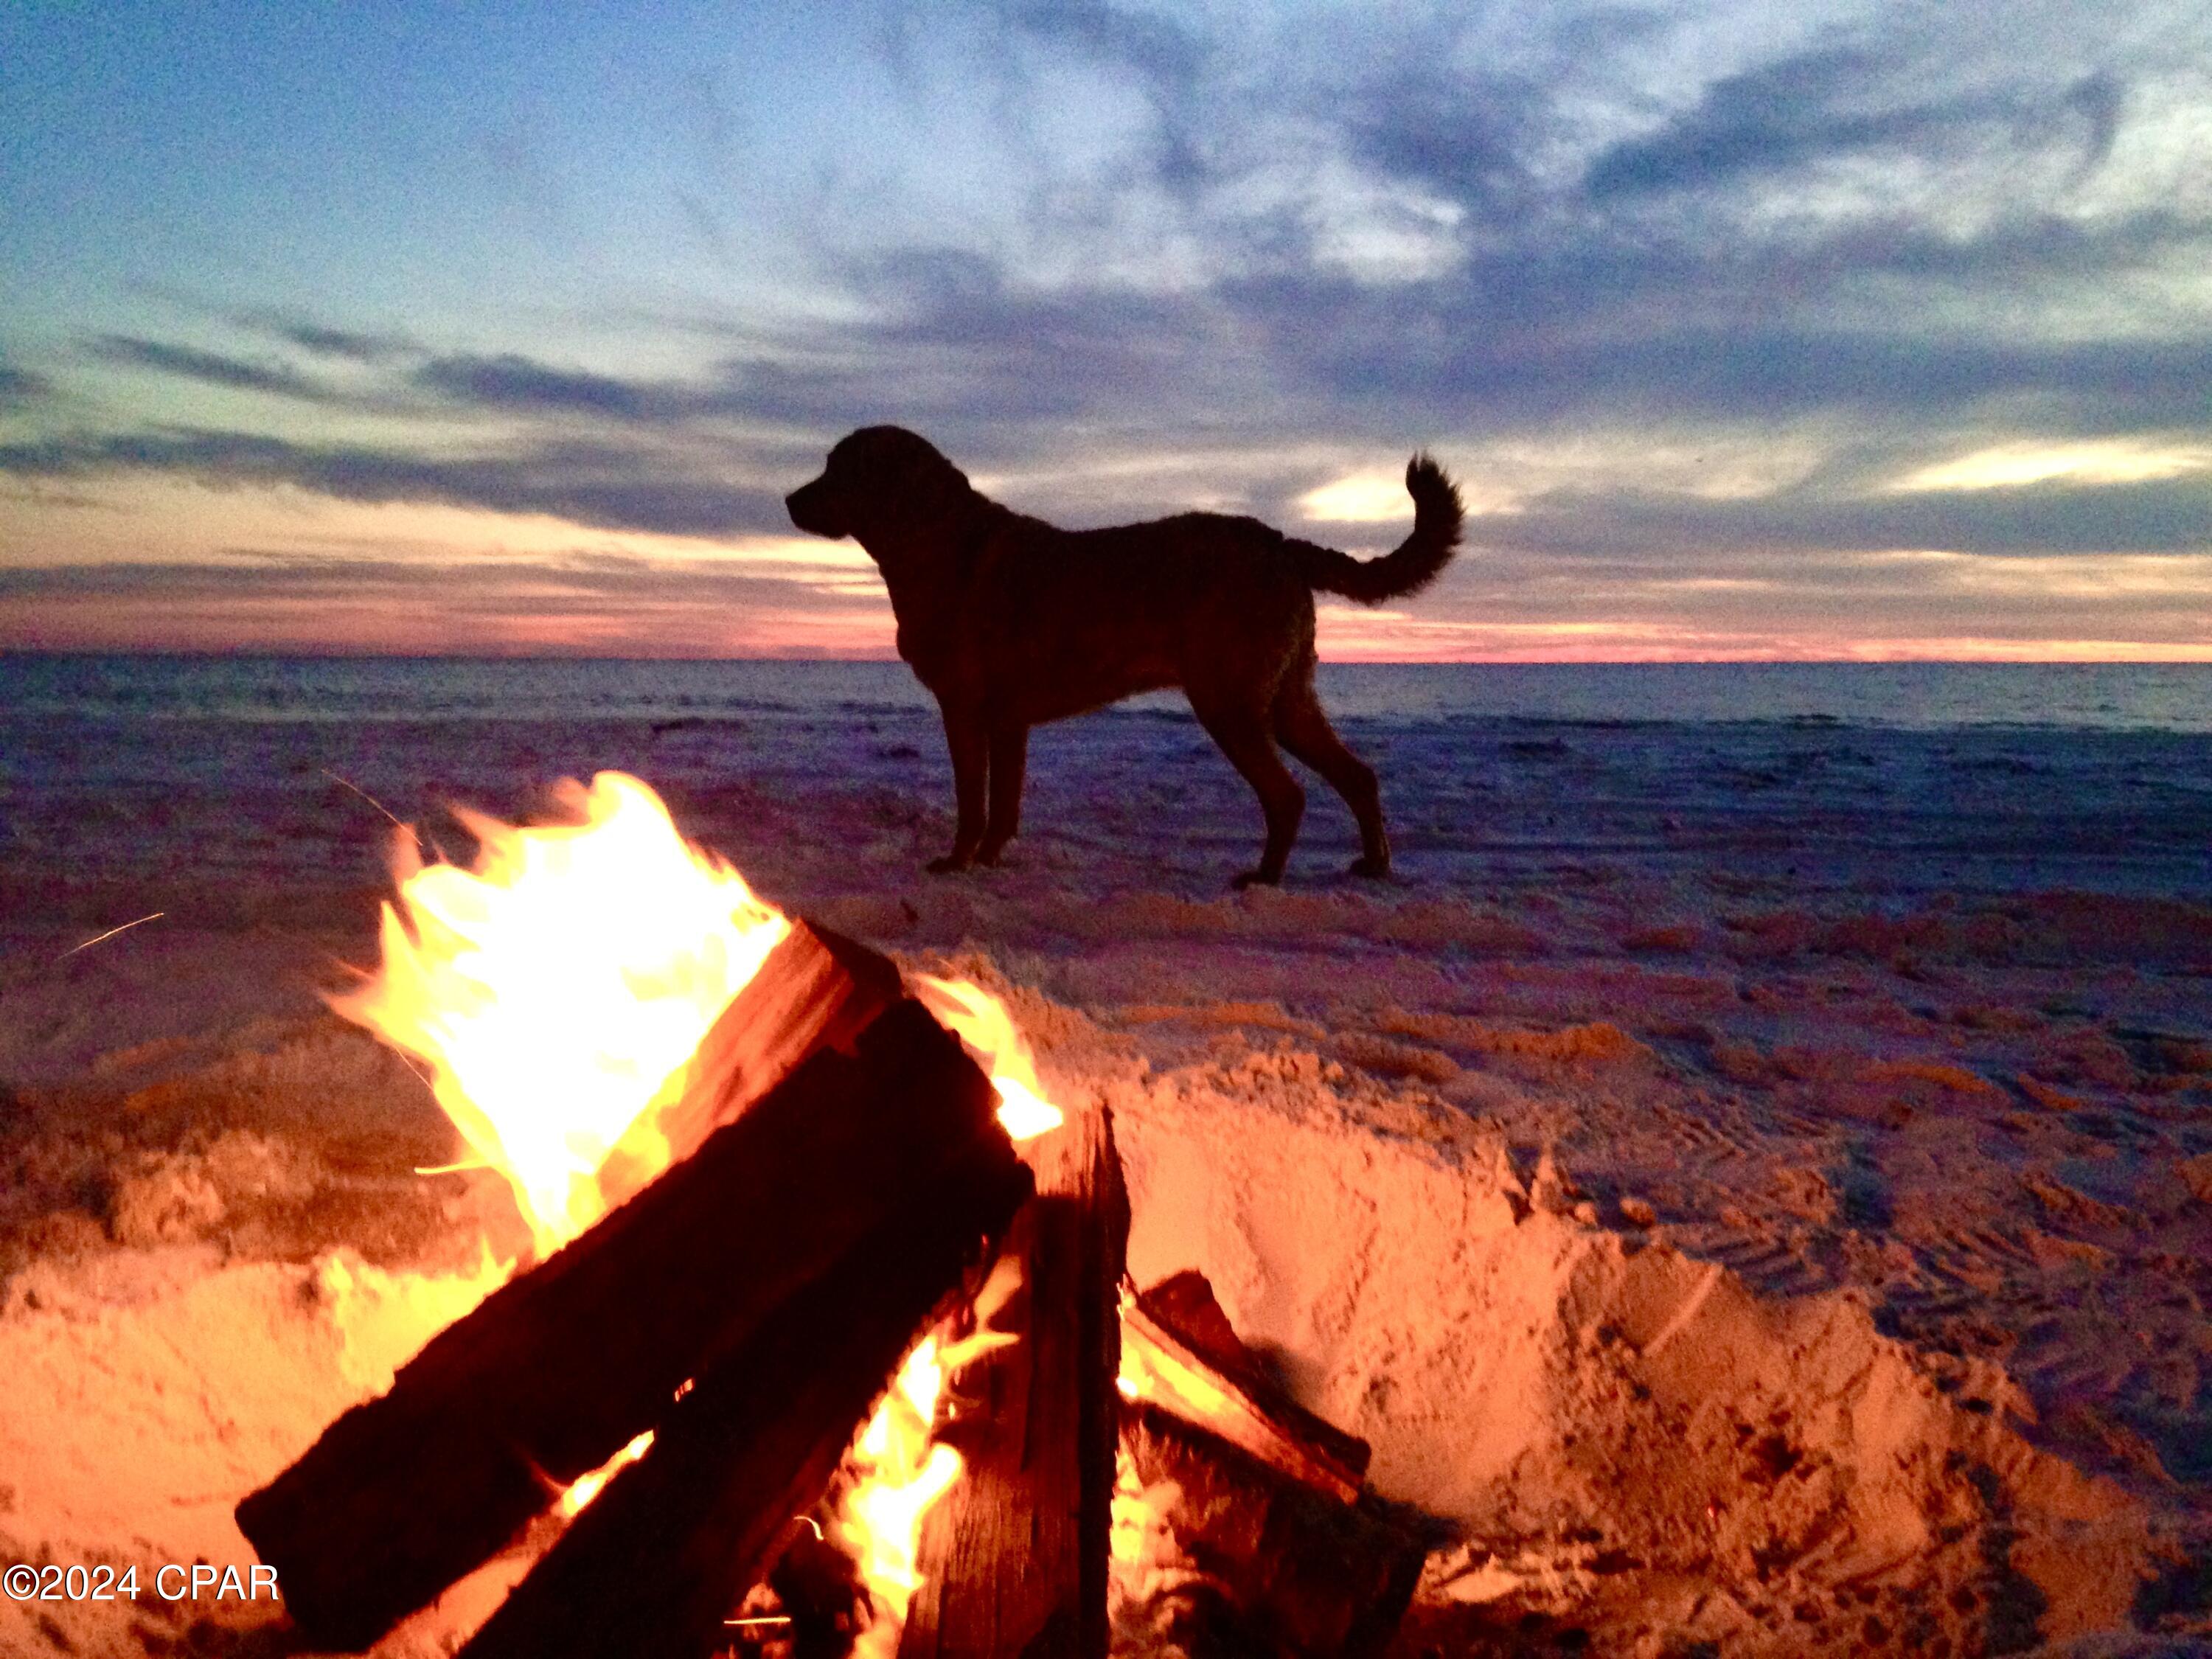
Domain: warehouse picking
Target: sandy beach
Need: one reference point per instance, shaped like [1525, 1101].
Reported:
[1733, 1178]
[1752, 1184]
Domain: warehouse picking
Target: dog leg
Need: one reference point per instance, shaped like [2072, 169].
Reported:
[1009, 755]
[1244, 738]
[1303, 729]
[966, 737]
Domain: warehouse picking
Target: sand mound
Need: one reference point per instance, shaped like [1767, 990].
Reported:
[1619, 1440]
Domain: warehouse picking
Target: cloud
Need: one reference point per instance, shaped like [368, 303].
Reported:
[1616, 340]
[594, 604]
[607, 485]
[1842, 101]
[583, 583]
[211, 367]
[1165, 60]
[1160, 51]
[512, 382]
[2109, 461]
[2171, 515]
[20, 388]
[1469, 136]
[338, 342]
[1866, 256]
[1362, 498]
[1001, 379]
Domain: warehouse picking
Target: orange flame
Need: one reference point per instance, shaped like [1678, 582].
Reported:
[981, 1021]
[901, 1474]
[903, 1471]
[558, 989]
[586, 1487]
[557, 992]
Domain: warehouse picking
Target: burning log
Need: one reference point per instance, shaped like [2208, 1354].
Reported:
[1013, 1559]
[1180, 1354]
[564, 1365]
[659, 1559]
[817, 989]
[1235, 1532]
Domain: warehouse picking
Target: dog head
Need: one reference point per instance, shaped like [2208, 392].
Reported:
[882, 484]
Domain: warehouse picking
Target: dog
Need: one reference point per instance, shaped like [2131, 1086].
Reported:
[1010, 622]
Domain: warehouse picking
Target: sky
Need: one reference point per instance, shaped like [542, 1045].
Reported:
[1751, 328]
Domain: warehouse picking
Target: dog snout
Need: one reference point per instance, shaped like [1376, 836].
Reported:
[810, 508]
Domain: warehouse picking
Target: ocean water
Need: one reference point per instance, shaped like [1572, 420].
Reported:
[1918, 696]
[1897, 782]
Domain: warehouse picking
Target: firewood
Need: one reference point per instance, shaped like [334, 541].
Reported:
[1013, 1559]
[658, 1560]
[1261, 1538]
[1256, 1561]
[564, 1365]
[1180, 1354]
[817, 990]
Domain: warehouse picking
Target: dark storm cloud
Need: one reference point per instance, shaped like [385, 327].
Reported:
[2009, 258]
[953, 349]
[505, 382]
[1579, 331]
[956, 342]
[214, 368]
[995, 379]
[1161, 51]
[607, 486]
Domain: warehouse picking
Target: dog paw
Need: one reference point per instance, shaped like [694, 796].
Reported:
[949, 865]
[1372, 869]
[1255, 879]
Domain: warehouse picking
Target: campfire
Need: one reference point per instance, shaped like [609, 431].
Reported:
[824, 1344]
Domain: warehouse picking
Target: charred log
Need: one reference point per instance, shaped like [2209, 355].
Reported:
[1256, 1562]
[1013, 1559]
[564, 1365]
[657, 1561]
[1251, 1545]
[1183, 1356]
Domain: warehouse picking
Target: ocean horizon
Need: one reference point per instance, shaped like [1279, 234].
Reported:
[2175, 697]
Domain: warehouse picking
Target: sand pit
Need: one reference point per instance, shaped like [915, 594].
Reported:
[1610, 1437]
[1619, 1432]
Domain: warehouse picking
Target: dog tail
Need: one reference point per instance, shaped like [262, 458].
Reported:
[1415, 563]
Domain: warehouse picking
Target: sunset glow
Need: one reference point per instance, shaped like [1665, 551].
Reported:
[1732, 307]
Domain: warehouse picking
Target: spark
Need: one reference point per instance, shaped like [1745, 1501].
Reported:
[452, 1168]
[110, 933]
[373, 801]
